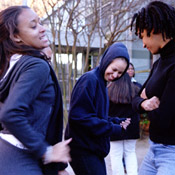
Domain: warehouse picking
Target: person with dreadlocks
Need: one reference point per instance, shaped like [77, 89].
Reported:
[155, 25]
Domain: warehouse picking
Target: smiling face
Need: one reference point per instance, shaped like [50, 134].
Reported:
[31, 32]
[115, 69]
[154, 42]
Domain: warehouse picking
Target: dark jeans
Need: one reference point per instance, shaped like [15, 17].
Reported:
[15, 161]
[88, 164]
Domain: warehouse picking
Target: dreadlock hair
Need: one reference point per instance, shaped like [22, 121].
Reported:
[122, 91]
[158, 17]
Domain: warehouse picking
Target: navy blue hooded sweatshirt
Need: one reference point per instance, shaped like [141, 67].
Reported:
[89, 125]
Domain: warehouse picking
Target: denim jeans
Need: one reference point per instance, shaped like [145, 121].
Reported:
[160, 160]
[88, 164]
[126, 149]
[16, 161]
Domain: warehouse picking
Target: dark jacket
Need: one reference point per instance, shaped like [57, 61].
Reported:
[137, 84]
[32, 106]
[125, 111]
[89, 125]
[161, 83]
[121, 94]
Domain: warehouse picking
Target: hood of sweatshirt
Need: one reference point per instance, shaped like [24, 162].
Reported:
[116, 50]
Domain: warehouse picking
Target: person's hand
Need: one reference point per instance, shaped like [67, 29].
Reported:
[58, 153]
[150, 104]
[63, 172]
[124, 124]
[143, 94]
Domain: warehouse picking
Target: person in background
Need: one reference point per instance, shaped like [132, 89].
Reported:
[131, 73]
[31, 111]
[121, 93]
[89, 125]
[155, 25]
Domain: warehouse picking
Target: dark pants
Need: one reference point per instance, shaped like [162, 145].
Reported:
[88, 164]
[16, 161]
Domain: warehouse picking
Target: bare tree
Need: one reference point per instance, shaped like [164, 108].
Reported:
[116, 16]
[76, 25]
[7, 3]
[83, 26]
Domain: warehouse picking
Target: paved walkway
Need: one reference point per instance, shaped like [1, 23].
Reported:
[142, 146]
[141, 149]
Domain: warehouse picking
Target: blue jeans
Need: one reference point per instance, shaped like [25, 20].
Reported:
[160, 160]
[88, 164]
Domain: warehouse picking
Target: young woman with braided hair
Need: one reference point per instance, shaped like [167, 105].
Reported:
[155, 25]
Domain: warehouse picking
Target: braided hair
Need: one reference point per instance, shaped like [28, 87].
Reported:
[158, 17]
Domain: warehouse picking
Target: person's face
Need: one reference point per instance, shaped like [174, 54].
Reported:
[31, 32]
[131, 71]
[115, 69]
[154, 42]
